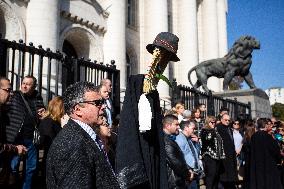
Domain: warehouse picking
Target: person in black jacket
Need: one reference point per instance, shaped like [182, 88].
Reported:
[178, 171]
[246, 150]
[23, 118]
[212, 152]
[76, 157]
[6, 149]
[50, 126]
[265, 155]
[229, 176]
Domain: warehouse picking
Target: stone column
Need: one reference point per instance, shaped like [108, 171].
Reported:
[156, 21]
[42, 23]
[114, 39]
[210, 37]
[222, 29]
[188, 43]
[42, 26]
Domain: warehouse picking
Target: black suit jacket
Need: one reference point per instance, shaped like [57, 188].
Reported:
[75, 161]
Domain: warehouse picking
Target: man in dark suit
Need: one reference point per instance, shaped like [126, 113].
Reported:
[76, 158]
[228, 177]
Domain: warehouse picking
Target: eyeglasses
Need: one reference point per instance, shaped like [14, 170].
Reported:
[8, 90]
[97, 103]
[227, 120]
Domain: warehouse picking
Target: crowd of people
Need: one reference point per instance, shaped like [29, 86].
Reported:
[85, 146]
[216, 151]
[223, 153]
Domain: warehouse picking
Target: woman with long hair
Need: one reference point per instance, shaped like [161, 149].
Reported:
[50, 125]
[212, 152]
[246, 150]
[104, 132]
[199, 121]
[179, 109]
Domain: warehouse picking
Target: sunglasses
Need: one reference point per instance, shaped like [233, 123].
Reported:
[8, 90]
[236, 123]
[97, 103]
[213, 122]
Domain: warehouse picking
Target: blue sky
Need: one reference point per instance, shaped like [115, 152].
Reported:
[263, 19]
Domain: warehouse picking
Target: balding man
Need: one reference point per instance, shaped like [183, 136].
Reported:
[229, 177]
[107, 83]
[105, 90]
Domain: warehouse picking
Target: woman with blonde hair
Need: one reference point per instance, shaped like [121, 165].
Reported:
[212, 152]
[50, 125]
[179, 109]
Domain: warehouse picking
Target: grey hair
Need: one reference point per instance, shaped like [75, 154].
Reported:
[75, 93]
[105, 81]
[186, 114]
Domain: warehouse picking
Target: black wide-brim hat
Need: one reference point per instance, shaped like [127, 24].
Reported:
[167, 41]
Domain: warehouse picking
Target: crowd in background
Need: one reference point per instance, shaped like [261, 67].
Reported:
[225, 153]
[216, 151]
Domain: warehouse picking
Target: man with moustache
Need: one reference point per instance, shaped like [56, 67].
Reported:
[76, 158]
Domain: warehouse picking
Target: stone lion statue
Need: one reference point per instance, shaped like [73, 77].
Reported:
[236, 63]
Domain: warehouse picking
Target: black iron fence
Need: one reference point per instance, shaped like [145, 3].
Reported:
[53, 70]
[192, 98]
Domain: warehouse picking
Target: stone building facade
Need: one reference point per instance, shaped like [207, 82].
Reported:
[119, 30]
[276, 95]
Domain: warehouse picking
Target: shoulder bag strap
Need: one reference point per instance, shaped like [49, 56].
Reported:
[29, 109]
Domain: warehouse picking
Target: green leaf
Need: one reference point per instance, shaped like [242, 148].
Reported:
[164, 78]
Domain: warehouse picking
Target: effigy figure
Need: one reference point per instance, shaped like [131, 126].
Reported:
[140, 156]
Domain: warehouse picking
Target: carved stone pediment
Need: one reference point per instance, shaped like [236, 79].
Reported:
[84, 22]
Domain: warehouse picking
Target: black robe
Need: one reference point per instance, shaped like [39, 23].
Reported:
[140, 157]
[229, 174]
[265, 155]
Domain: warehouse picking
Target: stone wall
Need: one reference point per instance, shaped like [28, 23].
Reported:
[260, 105]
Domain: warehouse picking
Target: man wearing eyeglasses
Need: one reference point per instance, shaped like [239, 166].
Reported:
[229, 177]
[76, 158]
[5, 91]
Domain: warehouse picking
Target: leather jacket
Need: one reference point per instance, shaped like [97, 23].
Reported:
[176, 164]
